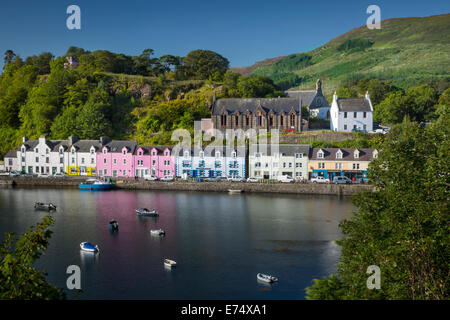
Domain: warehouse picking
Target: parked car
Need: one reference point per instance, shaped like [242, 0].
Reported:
[341, 180]
[211, 179]
[5, 174]
[236, 179]
[29, 175]
[287, 179]
[43, 175]
[60, 175]
[252, 180]
[167, 178]
[149, 177]
[14, 173]
[320, 179]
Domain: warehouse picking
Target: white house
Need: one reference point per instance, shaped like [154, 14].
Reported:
[352, 114]
[271, 161]
[210, 162]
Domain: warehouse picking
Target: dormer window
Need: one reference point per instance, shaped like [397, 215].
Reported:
[339, 154]
[167, 153]
[375, 154]
[356, 154]
[23, 150]
[154, 153]
[104, 151]
[233, 154]
[92, 151]
[320, 154]
[73, 151]
[217, 154]
[140, 153]
[186, 154]
[36, 150]
[124, 152]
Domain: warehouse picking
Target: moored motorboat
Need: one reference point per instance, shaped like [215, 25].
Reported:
[95, 184]
[169, 263]
[159, 232]
[234, 191]
[44, 206]
[89, 247]
[146, 212]
[113, 225]
[266, 278]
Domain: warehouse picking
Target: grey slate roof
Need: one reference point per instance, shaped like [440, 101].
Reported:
[211, 151]
[354, 104]
[85, 145]
[116, 146]
[277, 105]
[147, 149]
[284, 149]
[30, 144]
[11, 154]
[309, 98]
[347, 154]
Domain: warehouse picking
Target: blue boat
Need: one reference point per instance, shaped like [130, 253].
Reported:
[89, 247]
[113, 226]
[95, 184]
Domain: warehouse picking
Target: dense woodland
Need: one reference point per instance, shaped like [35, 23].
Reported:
[145, 98]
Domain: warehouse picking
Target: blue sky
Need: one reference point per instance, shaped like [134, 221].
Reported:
[243, 31]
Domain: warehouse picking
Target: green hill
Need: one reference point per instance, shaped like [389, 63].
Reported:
[405, 51]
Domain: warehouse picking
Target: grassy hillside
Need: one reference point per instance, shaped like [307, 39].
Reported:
[406, 51]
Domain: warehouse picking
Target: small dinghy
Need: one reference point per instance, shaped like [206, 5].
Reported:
[234, 191]
[146, 212]
[113, 225]
[159, 232]
[266, 278]
[169, 263]
[89, 247]
[44, 206]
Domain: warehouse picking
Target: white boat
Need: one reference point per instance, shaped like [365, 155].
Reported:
[44, 206]
[234, 191]
[169, 263]
[89, 247]
[266, 278]
[159, 232]
[146, 212]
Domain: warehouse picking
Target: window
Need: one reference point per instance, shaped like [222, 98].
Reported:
[153, 162]
[23, 150]
[105, 172]
[217, 154]
[298, 165]
[73, 160]
[23, 159]
[140, 153]
[104, 160]
[236, 121]
[284, 164]
[61, 151]
[167, 153]
[201, 154]
[271, 121]
[320, 154]
[92, 151]
[365, 127]
[321, 165]
[345, 114]
[124, 152]
[356, 154]
[354, 126]
[124, 161]
[275, 164]
[299, 155]
[298, 174]
[281, 120]
[290, 164]
[37, 159]
[345, 127]
[355, 114]
[356, 166]
[246, 120]
[338, 166]
[124, 172]
[218, 163]
[47, 160]
[92, 160]
[257, 164]
[339, 155]
[82, 160]
[104, 151]
[233, 154]
[292, 120]
[364, 114]
[61, 160]
[186, 154]
[115, 161]
[73, 151]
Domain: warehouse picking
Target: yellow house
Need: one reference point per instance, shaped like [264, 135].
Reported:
[82, 157]
[331, 162]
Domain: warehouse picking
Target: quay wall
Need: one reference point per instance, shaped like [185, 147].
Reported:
[132, 184]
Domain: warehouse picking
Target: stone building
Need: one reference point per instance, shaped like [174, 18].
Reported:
[314, 100]
[257, 113]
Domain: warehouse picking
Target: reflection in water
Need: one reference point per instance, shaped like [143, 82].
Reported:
[220, 242]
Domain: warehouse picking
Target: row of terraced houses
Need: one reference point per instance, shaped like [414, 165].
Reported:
[106, 158]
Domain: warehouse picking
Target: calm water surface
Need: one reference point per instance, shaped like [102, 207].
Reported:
[220, 241]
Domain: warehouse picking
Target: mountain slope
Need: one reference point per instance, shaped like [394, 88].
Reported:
[407, 51]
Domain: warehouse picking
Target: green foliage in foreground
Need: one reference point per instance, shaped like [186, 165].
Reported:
[403, 226]
[18, 279]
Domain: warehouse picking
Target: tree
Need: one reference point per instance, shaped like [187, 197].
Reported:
[403, 225]
[203, 64]
[18, 279]
[257, 87]
[91, 122]
[344, 92]
[417, 103]
[9, 57]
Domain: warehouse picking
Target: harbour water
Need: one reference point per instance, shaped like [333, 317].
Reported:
[219, 241]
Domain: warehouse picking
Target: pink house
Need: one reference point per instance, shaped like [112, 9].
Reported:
[156, 161]
[116, 159]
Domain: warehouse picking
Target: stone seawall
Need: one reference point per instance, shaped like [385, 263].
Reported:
[131, 184]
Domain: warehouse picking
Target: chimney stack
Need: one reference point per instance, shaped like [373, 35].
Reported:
[72, 140]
